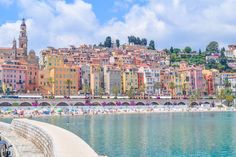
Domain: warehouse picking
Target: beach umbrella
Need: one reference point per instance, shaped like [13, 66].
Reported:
[59, 110]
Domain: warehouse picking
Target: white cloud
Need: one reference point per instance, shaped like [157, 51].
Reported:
[8, 32]
[6, 2]
[139, 21]
[169, 22]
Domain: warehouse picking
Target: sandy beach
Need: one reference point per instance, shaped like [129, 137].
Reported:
[30, 112]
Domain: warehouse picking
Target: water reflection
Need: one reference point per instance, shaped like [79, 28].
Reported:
[149, 135]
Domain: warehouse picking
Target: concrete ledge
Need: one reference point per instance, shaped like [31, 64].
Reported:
[53, 141]
[4, 127]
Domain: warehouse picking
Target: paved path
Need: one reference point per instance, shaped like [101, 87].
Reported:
[23, 147]
[65, 143]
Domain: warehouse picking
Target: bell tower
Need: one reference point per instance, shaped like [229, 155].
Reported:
[14, 53]
[23, 40]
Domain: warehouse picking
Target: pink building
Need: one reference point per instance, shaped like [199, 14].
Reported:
[32, 76]
[13, 76]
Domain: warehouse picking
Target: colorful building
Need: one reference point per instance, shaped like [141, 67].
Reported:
[130, 79]
[112, 80]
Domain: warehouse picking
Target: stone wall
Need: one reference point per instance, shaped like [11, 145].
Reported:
[5, 129]
[36, 135]
[53, 141]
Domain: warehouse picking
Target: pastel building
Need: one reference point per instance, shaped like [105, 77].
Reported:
[57, 78]
[191, 78]
[13, 76]
[232, 81]
[130, 79]
[112, 80]
[85, 75]
[96, 79]
[151, 77]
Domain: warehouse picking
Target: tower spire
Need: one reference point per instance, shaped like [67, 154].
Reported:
[23, 40]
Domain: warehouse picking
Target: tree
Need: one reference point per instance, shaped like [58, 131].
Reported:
[117, 43]
[130, 93]
[200, 51]
[138, 41]
[227, 83]
[107, 42]
[142, 89]
[86, 88]
[212, 47]
[101, 92]
[144, 42]
[68, 83]
[172, 87]
[151, 45]
[50, 83]
[221, 95]
[171, 49]
[184, 88]
[176, 50]
[115, 91]
[229, 99]
[187, 49]
[101, 45]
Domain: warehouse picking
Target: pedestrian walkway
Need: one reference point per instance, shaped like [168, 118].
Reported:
[22, 146]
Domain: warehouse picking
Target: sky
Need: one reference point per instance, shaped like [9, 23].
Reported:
[177, 23]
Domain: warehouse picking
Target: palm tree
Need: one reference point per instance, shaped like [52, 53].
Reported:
[142, 89]
[115, 91]
[68, 83]
[184, 88]
[227, 83]
[172, 87]
[229, 99]
[130, 93]
[101, 92]
[157, 86]
[221, 95]
[86, 88]
[50, 83]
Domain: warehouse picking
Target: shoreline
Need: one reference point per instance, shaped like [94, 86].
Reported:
[114, 111]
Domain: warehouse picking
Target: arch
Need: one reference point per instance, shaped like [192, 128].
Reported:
[181, 103]
[44, 104]
[79, 104]
[154, 103]
[168, 103]
[111, 104]
[5, 104]
[25, 104]
[194, 104]
[96, 104]
[140, 104]
[62, 104]
[125, 104]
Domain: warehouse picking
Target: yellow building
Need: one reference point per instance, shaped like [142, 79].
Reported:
[96, 79]
[130, 79]
[57, 78]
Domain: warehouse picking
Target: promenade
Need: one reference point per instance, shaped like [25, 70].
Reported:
[37, 139]
[21, 146]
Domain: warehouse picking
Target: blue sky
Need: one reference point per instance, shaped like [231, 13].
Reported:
[177, 23]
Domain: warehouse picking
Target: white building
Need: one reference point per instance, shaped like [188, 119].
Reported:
[151, 76]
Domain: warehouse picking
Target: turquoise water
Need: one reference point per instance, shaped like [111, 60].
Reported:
[151, 135]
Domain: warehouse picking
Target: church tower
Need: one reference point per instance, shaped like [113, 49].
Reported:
[14, 48]
[23, 40]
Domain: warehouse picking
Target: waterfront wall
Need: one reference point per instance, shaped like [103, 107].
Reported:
[52, 140]
[4, 129]
[36, 135]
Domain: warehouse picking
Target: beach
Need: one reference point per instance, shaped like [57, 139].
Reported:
[30, 112]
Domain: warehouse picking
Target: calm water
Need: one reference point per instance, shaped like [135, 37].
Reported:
[151, 135]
